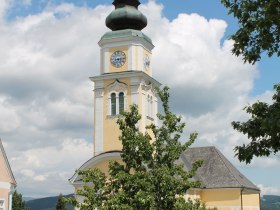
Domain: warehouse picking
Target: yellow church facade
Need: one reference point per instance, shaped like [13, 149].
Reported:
[125, 79]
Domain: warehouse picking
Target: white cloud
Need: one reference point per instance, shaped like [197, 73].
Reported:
[54, 164]
[27, 2]
[4, 4]
[9, 119]
[268, 190]
[46, 104]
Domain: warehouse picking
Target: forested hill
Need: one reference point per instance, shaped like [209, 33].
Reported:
[270, 202]
[47, 203]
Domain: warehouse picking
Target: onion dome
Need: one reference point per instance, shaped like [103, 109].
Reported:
[126, 16]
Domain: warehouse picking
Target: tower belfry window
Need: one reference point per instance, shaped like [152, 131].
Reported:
[116, 98]
[121, 103]
[116, 103]
[150, 106]
[113, 104]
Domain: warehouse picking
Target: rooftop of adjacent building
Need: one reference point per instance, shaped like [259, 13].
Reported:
[7, 164]
[217, 171]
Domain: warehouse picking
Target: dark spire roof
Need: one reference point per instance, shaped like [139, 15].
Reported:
[126, 16]
[119, 3]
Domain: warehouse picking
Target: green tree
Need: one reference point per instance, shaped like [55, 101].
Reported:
[17, 202]
[259, 28]
[149, 178]
[60, 204]
[263, 129]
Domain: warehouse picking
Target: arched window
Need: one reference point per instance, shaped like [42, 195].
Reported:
[113, 104]
[149, 106]
[121, 103]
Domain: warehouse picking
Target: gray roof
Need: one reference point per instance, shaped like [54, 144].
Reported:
[216, 171]
[124, 34]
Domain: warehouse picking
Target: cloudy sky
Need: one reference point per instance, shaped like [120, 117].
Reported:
[49, 50]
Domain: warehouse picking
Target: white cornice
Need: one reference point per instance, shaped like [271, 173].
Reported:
[6, 186]
[127, 40]
[125, 74]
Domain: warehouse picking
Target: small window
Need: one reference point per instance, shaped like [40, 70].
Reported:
[113, 104]
[121, 103]
[150, 106]
[2, 203]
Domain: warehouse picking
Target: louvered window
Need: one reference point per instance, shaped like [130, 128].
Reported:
[121, 103]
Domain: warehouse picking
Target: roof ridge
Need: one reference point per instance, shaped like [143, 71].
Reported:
[189, 167]
[226, 164]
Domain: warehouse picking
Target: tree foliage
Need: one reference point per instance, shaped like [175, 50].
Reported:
[263, 129]
[259, 28]
[60, 204]
[17, 202]
[149, 177]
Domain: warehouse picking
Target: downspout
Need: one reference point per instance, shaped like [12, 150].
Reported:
[12, 190]
[259, 200]
[241, 194]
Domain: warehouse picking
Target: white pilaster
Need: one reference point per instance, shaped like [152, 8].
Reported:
[106, 60]
[141, 58]
[134, 90]
[98, 122]
[130, 58]
[144, 110]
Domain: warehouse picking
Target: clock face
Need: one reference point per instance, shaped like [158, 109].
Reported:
[147, 61]
[118, 59]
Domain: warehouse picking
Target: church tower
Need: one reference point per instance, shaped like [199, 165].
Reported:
[125, 75]
[125, 78]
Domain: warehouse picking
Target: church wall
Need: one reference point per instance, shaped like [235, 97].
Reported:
[104, 165]
[251, 201]
[193, 194]
[223, 199]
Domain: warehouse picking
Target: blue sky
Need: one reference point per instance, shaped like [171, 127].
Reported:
[45, 95]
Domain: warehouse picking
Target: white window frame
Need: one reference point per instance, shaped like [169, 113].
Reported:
[2, 206]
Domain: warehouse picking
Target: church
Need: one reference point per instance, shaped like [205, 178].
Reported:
[125, 79]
